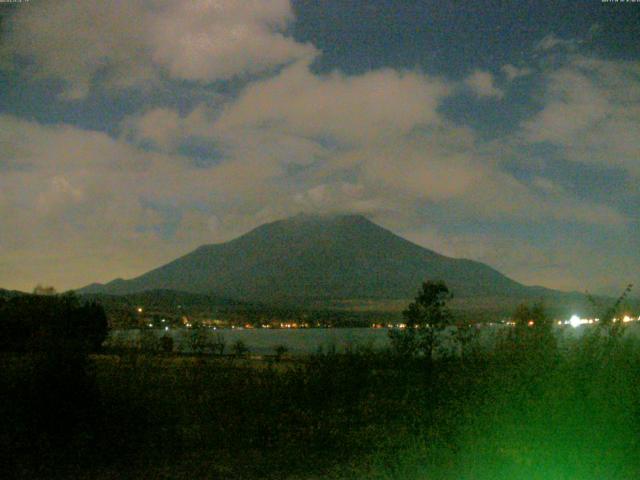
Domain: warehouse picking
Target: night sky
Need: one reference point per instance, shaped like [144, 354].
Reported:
[506, 132]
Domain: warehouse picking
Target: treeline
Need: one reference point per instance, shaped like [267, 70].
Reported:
[49, 322]
[122, 311]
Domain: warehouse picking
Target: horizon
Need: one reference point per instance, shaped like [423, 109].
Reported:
[507, 134]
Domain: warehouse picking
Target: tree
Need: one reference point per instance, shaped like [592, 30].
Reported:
[44, 290]
[199, 340]
[280, 351]
[532, 334]
[425, 318]
[58, 333]
[608, 319]
[148, 342]
[239, 348]
[51, 322]
[218, 346]
[166, 343]
[92, 325]
[466, 336]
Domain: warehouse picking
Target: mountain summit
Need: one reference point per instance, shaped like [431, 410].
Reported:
[316, 258]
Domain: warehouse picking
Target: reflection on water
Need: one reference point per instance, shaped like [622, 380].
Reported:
[312, 340]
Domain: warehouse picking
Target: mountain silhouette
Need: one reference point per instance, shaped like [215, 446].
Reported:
[318, 258]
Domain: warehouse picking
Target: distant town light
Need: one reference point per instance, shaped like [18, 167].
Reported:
[575, 321]
[139, 309]
[166, 329]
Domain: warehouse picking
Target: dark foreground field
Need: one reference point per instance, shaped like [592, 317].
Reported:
[571, 412]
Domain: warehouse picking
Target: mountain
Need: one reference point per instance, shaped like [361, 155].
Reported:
[311, 258]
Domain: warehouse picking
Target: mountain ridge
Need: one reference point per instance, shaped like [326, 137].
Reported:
[318, 257]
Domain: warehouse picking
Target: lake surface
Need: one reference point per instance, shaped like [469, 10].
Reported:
[263, 341]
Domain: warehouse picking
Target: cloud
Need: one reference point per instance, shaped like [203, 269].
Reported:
[104, 35]
[512, 72]
[82, 201]
[482, 84]
[136, 42]
[288, 140]
[128, 209]
[592, 112]
[381, 133]
[550, 42]
[206, 40]
[343, 109]
[159, 127]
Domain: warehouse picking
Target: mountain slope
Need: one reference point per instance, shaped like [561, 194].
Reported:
[308, 258]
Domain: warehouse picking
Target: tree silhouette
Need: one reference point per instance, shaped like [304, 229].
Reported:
[425, 318]
[532, 337]
[239, 348]
[51, 322]
[280, 351]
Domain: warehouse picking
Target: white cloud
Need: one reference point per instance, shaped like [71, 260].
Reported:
[482, 84]
[592, 111]
[345, 109]
[81, 201]
[133, 42]
[206, 40]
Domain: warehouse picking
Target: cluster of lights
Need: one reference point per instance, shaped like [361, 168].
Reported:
[294, 325]
[392, 325]
[575, 321]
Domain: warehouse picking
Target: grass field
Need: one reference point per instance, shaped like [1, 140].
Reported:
[568, 413]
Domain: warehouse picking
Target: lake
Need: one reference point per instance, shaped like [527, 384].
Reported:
[263, 341]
